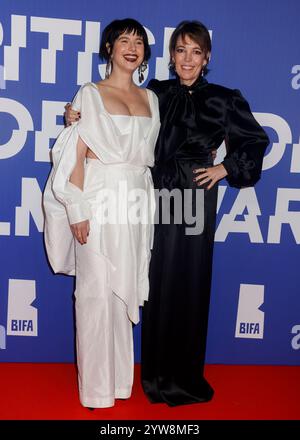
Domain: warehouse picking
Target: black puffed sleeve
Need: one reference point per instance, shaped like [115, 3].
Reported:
[246, 143]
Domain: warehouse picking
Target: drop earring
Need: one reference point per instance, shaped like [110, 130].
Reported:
[108, 68]
[172, 67]
[141, 70]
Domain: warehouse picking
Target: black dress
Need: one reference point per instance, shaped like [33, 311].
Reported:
[194, 121]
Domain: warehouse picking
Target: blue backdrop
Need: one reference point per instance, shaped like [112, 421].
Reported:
[47, 50]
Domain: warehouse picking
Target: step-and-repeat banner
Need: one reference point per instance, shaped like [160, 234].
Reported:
[47, 50]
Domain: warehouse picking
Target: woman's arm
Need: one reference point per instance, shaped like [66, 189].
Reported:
[80, 230]
[246, 143]
[77, 176]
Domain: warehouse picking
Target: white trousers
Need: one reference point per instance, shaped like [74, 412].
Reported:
[104, 336]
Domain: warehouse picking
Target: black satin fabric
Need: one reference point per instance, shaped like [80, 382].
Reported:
[194, 121]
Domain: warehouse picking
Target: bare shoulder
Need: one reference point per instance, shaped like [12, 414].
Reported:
[142, 90]
[102, 84]
[142, 93]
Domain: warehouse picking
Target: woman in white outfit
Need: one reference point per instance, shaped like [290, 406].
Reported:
[98, 208]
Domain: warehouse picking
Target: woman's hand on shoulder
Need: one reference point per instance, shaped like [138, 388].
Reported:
[211, 174]
[71, 115]
[81, 231]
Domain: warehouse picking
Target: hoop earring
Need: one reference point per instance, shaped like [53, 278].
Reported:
[108, 68]
[141, 70]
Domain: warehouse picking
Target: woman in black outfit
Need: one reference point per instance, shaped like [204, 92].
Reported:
[195, 119]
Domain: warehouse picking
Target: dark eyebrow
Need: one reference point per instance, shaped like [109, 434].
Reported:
[127, 37]
[182, 46]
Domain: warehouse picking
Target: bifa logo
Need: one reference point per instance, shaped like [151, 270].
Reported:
[21, 315]
[250, 320]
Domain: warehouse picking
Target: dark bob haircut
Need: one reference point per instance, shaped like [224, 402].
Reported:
[118, 27]
[197, 32]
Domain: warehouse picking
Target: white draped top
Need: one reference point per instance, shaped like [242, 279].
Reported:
[121, 143]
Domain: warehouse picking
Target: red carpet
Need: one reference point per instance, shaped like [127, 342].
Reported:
[49, 392]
